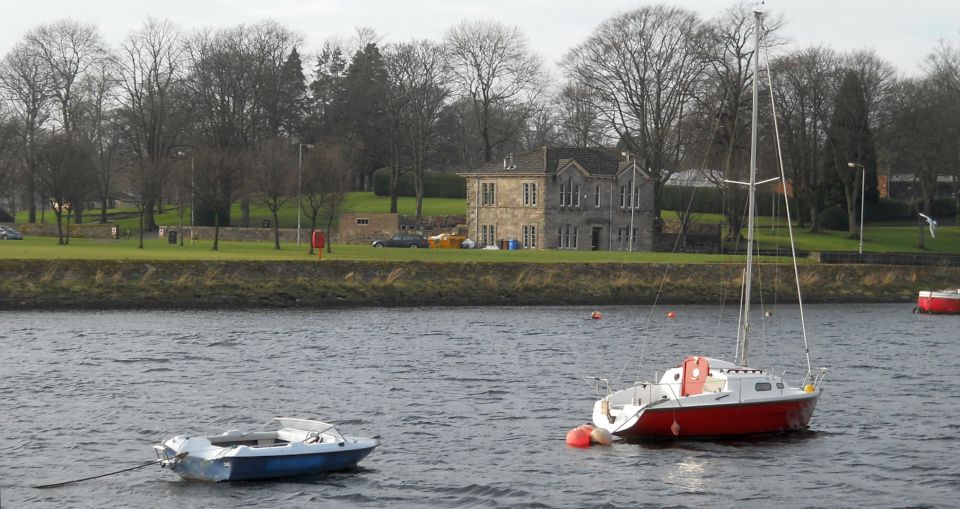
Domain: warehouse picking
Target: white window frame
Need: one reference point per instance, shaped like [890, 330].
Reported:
[596, 197]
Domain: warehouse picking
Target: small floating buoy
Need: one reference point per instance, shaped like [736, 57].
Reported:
[600, 436]
[768, 314]
[578, 437]
[808, 388]
[671, 315]
[595, 315]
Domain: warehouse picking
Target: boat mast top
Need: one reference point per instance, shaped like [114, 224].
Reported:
[751, 196]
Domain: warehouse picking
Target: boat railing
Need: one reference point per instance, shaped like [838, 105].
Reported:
[596, 382]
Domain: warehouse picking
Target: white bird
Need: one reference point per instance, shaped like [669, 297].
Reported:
[932, 223]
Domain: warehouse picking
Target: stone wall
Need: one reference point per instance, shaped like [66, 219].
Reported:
[83, 231]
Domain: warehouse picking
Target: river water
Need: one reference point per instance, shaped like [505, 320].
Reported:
[471, 404]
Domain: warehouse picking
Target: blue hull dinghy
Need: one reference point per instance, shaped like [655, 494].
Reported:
[294, 447]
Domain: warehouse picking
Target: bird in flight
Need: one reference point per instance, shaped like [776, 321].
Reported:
[932, 223]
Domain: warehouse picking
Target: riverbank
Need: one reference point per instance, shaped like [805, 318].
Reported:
[98, 284]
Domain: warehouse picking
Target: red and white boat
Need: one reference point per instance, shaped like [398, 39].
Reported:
[710, 398]
[939, 302]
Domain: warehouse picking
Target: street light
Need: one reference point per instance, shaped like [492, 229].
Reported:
[299, 184]
[863, 180]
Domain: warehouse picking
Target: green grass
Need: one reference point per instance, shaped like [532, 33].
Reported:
[367, 202]
[876, 238]
[46, 248]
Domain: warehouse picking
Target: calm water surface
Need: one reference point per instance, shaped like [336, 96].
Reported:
[471, 404]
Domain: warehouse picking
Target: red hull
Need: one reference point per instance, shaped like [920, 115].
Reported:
[724, 420]
[940, 305]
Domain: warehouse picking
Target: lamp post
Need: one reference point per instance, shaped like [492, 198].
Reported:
[300, 183]
[193, 194]
[863, 183]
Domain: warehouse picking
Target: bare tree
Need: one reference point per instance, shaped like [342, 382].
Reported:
[804, 92]
[153, 107]
[418, 71]
[214, 173]
[99, 128]
[943, 67]
[579, 120]
[69, 50]
[26, 84]
[326, 184]
[64, 176]
[272, 176]
[502, 79]
[643, 68]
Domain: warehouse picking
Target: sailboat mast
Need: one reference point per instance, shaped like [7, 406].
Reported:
[751, 194]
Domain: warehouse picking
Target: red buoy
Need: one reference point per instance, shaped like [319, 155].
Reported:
[578, 437]
[595, 315]
[671, 315]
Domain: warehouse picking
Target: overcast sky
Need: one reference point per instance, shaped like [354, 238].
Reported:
[901, 32]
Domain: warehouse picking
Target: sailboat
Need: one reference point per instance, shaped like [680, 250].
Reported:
[706, 397]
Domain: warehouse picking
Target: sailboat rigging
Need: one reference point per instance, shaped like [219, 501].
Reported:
[707, 397]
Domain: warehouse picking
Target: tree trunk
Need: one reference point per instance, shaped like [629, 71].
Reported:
[245, 211]
[276, 230]
[149, 222]
[216, 231]
[142, 211]
[103, 210]
[66, 236]
[59, 227]
[851, 196]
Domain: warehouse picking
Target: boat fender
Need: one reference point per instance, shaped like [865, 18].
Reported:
[578, 437]
[675, 428]
[809, 388]
[600, 436]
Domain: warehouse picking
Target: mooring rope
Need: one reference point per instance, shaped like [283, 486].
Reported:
[147, 464]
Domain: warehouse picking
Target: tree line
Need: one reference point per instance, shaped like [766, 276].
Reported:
[211, 117]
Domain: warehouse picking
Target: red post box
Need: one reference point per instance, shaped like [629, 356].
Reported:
[318, 241]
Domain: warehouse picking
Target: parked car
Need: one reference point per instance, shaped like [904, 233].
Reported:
[7, 233]
[403, 240]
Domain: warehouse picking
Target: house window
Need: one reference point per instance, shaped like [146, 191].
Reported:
[596, 196]
[487, 236]
[567, 237]
[563, 194]
[620, 239]
[576, 197]
[636, 194]
[363, 220]
[569, 193]
[488, 194]
[529, 236]
[529, 194]
[623, 197]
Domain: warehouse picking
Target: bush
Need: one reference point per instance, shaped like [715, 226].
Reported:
[888, 210]
[834, 218]
[436, 184]
[5, 216]
[709, 200]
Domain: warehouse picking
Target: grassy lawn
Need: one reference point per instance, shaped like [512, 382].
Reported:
[356, 202]
[876, 238]
[46, 248]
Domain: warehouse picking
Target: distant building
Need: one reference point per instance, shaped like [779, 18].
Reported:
[561, 198]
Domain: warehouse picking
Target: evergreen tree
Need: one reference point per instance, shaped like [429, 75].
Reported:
[360, 110]
[293, 95]
[849, 141]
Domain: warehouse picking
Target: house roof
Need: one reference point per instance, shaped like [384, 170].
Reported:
[547, 160]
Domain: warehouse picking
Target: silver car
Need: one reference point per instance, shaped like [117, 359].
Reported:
[7, 233]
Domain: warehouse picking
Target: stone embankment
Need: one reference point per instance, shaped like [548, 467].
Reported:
[213, 285]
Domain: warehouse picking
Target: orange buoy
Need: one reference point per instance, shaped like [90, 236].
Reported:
[595, 315]
[578, 437]
[671, 315]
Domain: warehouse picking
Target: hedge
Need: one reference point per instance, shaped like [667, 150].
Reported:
[436, 184]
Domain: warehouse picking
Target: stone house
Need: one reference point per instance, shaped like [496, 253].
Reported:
[561, 198]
